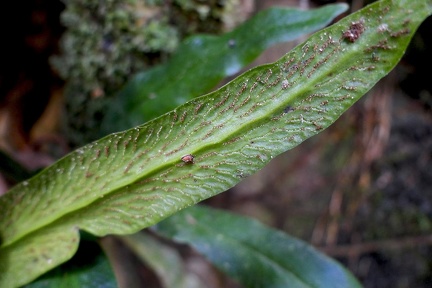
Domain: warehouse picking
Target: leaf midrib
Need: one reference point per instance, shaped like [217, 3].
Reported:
[271, 108]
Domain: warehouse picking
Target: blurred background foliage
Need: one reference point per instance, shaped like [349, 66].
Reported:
[360, 191]
[106, 42]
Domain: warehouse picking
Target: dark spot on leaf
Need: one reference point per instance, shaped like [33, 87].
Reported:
[317, 126]
[288, 109]
[354, 31]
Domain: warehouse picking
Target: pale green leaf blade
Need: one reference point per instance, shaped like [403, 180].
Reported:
[211, 58]
[35, 254]
[133, 179]
[88, 268]
[239, 128]
[253, 254]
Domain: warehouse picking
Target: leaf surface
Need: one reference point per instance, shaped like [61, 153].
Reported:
[88, 268]
[133, 179]
[253, 254]
[202, 61]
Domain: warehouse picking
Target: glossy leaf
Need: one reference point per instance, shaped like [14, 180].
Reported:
[204, 60]
[88, 268]
[133, 179]
[253, 254]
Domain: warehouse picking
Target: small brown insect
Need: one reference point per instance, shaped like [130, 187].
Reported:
[354, 31]
[188, 159]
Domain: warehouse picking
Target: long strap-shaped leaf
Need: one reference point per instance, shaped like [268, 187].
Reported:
[133, 179]
[202, 61]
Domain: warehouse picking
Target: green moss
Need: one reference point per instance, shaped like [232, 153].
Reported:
[106, 42]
